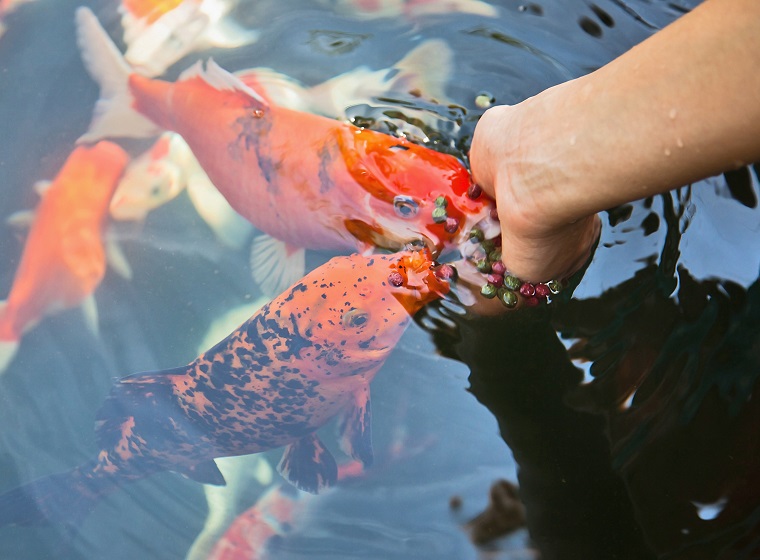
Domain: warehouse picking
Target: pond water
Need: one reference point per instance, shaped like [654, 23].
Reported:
[623, 410]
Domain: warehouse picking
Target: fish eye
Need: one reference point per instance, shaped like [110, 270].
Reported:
[354, 318]
[405, 206]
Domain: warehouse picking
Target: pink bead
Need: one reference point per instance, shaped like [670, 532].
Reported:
[542, 290]
[446, 272]
[498, 267]
[494, 214]
[531, 301]
[474, 191]
[395, 279]
[495, 279]
[527, 290]
[451, 225]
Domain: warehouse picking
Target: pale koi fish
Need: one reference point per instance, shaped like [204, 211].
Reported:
[411, 9]
[161, 174]
[158, 33]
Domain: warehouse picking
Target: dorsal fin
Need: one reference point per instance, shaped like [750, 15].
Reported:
[218, 78]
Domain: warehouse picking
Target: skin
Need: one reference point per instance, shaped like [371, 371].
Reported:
[679, 107]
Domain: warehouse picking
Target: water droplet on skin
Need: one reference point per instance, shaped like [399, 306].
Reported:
[573, 140]
[667, 151]
[672, 114]
[679, 142]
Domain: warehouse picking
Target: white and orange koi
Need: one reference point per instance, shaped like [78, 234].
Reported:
[158, 33]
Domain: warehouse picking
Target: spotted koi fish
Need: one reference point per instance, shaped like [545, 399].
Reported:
[306, 180]
[64, 258]
[303, 359]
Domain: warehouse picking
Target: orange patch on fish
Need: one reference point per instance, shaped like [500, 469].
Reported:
[150, 10]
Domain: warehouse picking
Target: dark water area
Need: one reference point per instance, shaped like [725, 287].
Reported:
[624, 410]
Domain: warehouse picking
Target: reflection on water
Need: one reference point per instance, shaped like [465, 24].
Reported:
[626, 406]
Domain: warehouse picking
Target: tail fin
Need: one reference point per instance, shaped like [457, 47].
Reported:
[63, 498]
[8, 339]
[8, 350]
[426, 69]
[113, 115]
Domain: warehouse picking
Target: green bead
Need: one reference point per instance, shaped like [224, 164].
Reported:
[555, 286]
[483, 266]
[476, 234]
[494, 255]
[487, 245]
[488, 291]
[439, 215]
[512, 282]
[441, 202]
[508, 298]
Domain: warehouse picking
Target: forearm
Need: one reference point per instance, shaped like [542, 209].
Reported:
[679, 107]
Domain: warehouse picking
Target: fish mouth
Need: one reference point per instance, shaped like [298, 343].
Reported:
[418, 280]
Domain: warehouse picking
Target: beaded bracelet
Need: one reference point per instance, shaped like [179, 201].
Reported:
[503, 285]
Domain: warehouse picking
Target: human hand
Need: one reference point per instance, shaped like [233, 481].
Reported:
[540, 241]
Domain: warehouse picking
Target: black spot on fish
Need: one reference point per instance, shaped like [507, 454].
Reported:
[300, 287]
[365, 343]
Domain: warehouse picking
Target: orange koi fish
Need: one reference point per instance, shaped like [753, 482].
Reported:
[305, 180]
[64, 257]
[162, 172]
[303, 359]
[160, 32]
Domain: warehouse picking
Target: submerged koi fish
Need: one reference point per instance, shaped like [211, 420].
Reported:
[303, 359]
[273, 515]
[306, 180]
[164, 171]
[160, 32]
[64, 258]
[423, 72]
[413, 9]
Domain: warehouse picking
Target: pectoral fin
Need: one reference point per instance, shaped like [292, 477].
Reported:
[90, 312]
[21, 220]
[206, 472]
[355, 429]
[41, 187]
[275, 265]
[308, 465]
[116, 258]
